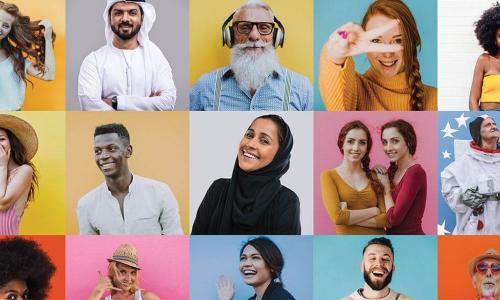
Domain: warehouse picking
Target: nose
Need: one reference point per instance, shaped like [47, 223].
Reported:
[252, 143]
[104, 155]
[355, 146]
[254, 34]
[387, 54]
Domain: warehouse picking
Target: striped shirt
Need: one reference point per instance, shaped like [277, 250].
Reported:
[9, 221]
[269, 96]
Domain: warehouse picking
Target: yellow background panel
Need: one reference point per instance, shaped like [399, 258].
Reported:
[47, 95]
[160, 144]
[205, 41]
[46, 214]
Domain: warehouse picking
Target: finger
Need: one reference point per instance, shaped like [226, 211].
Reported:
[99, 273]
[115, 289]
[376, 32]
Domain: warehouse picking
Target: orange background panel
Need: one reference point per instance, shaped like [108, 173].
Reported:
[454, 255]
[160, 144]
[47, 95]
[54, 246]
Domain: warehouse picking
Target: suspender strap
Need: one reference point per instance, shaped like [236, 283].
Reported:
[217, 90]
[288, 90]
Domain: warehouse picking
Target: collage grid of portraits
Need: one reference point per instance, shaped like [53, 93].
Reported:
[185, 204]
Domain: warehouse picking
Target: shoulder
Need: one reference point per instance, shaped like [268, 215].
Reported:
[209, 77]
[297, 78]
[148, 182]
[287, 198]
[145, 295]
[329, 173]
[91, 57]
[483, 59]
[416, 170]
[23, 170]
[279, 292]
[401, 296]
[90, 197]
[219, 185]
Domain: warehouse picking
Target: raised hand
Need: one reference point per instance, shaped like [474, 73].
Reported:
[382, 176]
[225, 288]
[4, 156]
[351, 39]
[104, 283]
[48, 28]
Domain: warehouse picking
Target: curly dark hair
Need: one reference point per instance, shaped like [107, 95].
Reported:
[486, 29]
[23, 259]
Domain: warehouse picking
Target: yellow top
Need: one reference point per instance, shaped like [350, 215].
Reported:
[335, 190]
[342, 88]
[491, 88]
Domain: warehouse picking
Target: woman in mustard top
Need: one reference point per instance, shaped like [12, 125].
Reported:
[352, 195]
[485, 89]
[389, 36]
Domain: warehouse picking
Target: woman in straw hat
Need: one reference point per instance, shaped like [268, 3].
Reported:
[18, 178]
[122, 280]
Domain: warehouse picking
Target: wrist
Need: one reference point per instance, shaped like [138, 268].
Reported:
[114, 102]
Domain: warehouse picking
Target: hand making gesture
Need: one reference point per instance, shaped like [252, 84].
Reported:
[351, 39]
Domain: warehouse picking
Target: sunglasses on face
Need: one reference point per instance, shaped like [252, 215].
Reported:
[244, 27]
[483, 267]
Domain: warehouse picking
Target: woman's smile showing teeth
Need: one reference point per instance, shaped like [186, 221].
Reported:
[388, 63]
[249, 155]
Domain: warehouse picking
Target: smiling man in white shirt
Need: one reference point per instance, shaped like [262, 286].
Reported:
[130, 72]
[125, 203]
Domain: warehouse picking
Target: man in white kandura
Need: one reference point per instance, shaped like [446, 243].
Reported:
[130, 72]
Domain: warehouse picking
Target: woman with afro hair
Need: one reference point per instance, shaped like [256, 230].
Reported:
[25, 270]
[485, 89]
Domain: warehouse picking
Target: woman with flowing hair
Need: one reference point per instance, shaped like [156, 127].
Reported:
[18, 176]
[389, 36]
[405, 182]
[352, 195]
[485, 89]
[26, 48]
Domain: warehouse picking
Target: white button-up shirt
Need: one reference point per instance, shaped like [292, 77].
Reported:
[149, 207]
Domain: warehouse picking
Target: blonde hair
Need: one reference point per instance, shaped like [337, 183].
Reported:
[113, 273]
[396, 9]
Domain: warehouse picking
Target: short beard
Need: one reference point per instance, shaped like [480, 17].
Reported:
[251, 69]
[377, 286]
[128, 36]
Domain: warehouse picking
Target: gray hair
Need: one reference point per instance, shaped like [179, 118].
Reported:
[254, 4]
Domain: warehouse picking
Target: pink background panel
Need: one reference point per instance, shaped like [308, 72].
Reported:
[164, 262]
[327, 155]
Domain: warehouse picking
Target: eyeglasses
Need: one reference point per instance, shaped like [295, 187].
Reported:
[483, 267]
[245, 27]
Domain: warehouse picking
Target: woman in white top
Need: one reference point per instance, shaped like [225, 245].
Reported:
[122, 280]
[26, 47]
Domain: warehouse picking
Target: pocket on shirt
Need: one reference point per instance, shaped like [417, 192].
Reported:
[147, 225]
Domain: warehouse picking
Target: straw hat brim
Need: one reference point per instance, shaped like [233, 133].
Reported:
[125, 262]
[24, 132]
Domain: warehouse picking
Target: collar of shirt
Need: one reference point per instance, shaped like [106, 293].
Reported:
[228, 73]
[131, 186]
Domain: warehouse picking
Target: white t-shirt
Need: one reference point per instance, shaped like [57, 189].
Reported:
[12, 88]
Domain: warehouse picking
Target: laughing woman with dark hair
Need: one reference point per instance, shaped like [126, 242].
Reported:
[261, 265]
[253, 201]
[26, 48]
[485, 89]
[25, 270]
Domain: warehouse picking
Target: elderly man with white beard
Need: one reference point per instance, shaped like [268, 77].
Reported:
[255, 80]
[484, 271]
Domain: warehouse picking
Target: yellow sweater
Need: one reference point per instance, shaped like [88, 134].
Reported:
[335, 190]
[342, 88]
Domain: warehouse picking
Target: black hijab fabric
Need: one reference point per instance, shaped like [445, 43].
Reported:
[250, 194]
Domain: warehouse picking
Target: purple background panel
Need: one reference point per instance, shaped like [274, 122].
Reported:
[327, 155]
[164, 262]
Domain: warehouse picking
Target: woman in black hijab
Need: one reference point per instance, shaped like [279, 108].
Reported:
[253, 201]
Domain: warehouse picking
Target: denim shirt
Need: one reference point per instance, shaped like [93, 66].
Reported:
[269, 96]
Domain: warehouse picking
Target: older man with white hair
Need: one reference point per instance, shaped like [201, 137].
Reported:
[130, 72]
[255, 80]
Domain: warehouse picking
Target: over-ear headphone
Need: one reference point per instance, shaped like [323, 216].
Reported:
[228, 33]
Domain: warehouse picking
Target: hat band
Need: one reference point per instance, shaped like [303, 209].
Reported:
[126, 258]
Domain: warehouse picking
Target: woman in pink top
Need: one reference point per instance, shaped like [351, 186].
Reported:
[18, 179]
[405, 181]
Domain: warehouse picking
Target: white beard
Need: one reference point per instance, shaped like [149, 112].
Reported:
[251, 69]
